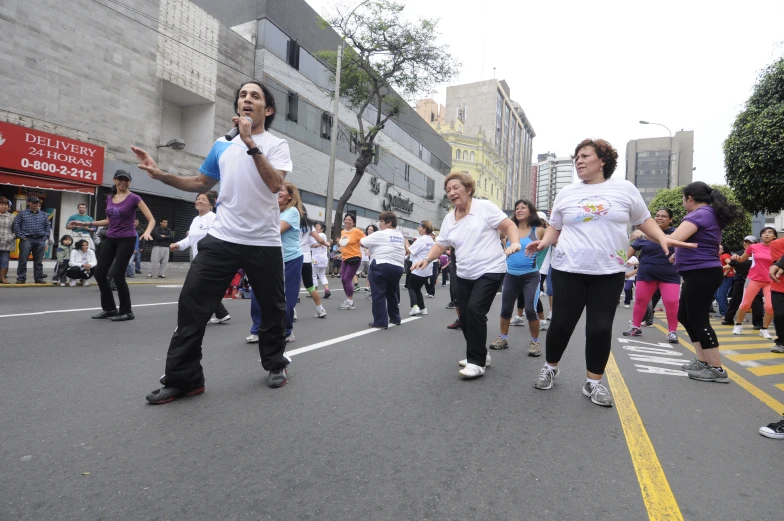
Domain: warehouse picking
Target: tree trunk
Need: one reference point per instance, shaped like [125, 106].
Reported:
[338, 223]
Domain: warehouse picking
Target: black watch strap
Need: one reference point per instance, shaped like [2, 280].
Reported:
[255, 150]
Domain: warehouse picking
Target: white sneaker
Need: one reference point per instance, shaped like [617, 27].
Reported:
[517, 321]
[62, 284]
[471, 371]
[85, 283]
[295, 315]
[543, 325]
[252, 339]
[737, 330]
[626, 306]
[72, 283]
[764, 334]
[431, 296]
[290, 338]
[549, 316]
[346, 305]
[216, 320]
[321, 313]
[423, 311]
[464, 362]
[414, 311]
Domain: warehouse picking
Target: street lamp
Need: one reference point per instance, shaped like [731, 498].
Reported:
[669, 158]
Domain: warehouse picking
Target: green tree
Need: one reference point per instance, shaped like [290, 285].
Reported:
[386, 61]
[754, 150]
[673, 199]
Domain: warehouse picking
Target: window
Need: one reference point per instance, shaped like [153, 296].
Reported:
[292, 54]
[376, 154]
[292, 112]
[326, 125]
[465, 155]
[472, 156]
[407, 173]
[457, 154]
[421, 150]
[352, 142]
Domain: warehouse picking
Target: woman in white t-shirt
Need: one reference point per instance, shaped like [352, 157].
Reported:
[631, 275]
[420, 277]
[387, 251]
[321, 259]
[589, 221]
[472, 229]
[200, 225]
[309, 237]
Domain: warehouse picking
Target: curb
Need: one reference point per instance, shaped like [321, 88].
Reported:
[93, 283]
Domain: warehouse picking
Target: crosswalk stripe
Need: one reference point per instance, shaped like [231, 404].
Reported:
[755, 356]
[734, 347]
[767, 370]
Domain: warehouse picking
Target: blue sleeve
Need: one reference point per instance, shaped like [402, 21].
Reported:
[637, 244]
[211, 165]
[291, 216]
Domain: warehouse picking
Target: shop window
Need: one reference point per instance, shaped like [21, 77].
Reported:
[292, 108]
[326, 125]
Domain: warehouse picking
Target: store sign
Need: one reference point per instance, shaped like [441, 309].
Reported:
[27, 150]
[396, 202]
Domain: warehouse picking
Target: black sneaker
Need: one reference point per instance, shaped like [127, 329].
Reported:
[105, 314]
[633, 331]
[327, 294]
[773, 430]
[169, 394]
[727, 323]
[451, 305]
[279, 377]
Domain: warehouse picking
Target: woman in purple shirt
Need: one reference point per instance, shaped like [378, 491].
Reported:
[119, 245]
[707, 213]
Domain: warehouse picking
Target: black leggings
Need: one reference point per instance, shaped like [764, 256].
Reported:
[697, 292]
[598, 295]
[415, 283]
[117, 251]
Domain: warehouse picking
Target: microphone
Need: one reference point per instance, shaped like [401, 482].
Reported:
[231, 134]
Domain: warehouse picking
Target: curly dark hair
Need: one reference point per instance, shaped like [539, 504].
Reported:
[604, 151]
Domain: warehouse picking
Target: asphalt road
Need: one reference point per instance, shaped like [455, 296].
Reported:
[377, 426]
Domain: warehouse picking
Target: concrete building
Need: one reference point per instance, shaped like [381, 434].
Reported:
[100, 78]
[654, 164]
[474, 155]
[485, 110]
[552, 174]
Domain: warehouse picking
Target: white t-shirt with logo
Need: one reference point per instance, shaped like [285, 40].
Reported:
[386, 246]
[593, 221]
[475, 240]
[247, 211]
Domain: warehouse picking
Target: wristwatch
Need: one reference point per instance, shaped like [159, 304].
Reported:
[255, 150]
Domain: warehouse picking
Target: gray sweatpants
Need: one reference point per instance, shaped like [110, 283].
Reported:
[159, 259]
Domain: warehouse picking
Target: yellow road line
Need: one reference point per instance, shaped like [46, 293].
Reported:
[656, 492]
[738, 379]
[732, 347]
[754, 356]
[767, 370]
[744, 338]
[780, 386]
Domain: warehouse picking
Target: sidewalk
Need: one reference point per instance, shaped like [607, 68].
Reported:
[175, 274]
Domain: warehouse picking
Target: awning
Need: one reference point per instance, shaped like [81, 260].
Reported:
[44, 183]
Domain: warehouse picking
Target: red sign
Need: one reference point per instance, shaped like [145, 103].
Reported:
[28, 150]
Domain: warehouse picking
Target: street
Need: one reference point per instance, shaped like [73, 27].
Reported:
[374, 426]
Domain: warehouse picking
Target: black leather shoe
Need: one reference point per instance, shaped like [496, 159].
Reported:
[106, 314]
[371, 324]
[169, 394]
[122, 318]
[40, 281]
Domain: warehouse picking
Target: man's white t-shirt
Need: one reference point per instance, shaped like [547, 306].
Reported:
[475, 240]
[593, 221]
[386, 246]
[247, 211]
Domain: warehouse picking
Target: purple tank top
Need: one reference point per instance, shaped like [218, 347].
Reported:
[121, 216]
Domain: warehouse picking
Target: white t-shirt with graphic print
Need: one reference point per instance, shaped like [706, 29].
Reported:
[247, 211]
[593, 221]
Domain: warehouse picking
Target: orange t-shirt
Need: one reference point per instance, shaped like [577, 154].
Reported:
[776, 252]
[352, 248]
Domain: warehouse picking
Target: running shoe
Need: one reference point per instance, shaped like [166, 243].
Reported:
[534, 349]
[72, 283]
[346, 305]
[356, 287]
[598, 394]
[414, 311]
[546, 377]
[279, 377]
[295, 315]
[672, 337]
[707, 373]
[471, 371]
[216, 320]
[626, 306]
[773, 430]
[544, 325]
[290, 338]
[327, 294]
[454, 325]
[765, 334]
[737, 330]
[777, 349]
[464, 362]
[430, 296]
[252, 339]
[727, 323]
[633, 331]
[693, 365]
[85, 284]
[321, 313]
[423, 311]
[648, 323]
[517, 321]
[499, 343]
[451, 305]
[169, 394]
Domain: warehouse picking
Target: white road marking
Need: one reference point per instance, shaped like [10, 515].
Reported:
[343, 338]
[81, 309]
[168, 286]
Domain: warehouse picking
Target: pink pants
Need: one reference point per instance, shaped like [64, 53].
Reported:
[751, 291]
[670, 293]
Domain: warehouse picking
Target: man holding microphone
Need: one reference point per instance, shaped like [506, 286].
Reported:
[251, 167]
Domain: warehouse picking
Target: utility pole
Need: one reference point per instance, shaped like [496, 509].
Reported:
[333, 148]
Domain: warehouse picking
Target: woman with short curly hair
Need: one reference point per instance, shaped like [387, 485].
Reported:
[589, 222]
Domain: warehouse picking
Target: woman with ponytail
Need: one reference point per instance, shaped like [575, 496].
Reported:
[708, 212]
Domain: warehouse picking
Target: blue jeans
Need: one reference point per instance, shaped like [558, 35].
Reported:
[385, 290]
[138, 261]
[292, 276]
[722, 293]
[4, 255]
[37, 247]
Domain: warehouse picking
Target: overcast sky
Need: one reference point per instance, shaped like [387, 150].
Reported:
[583, 69]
